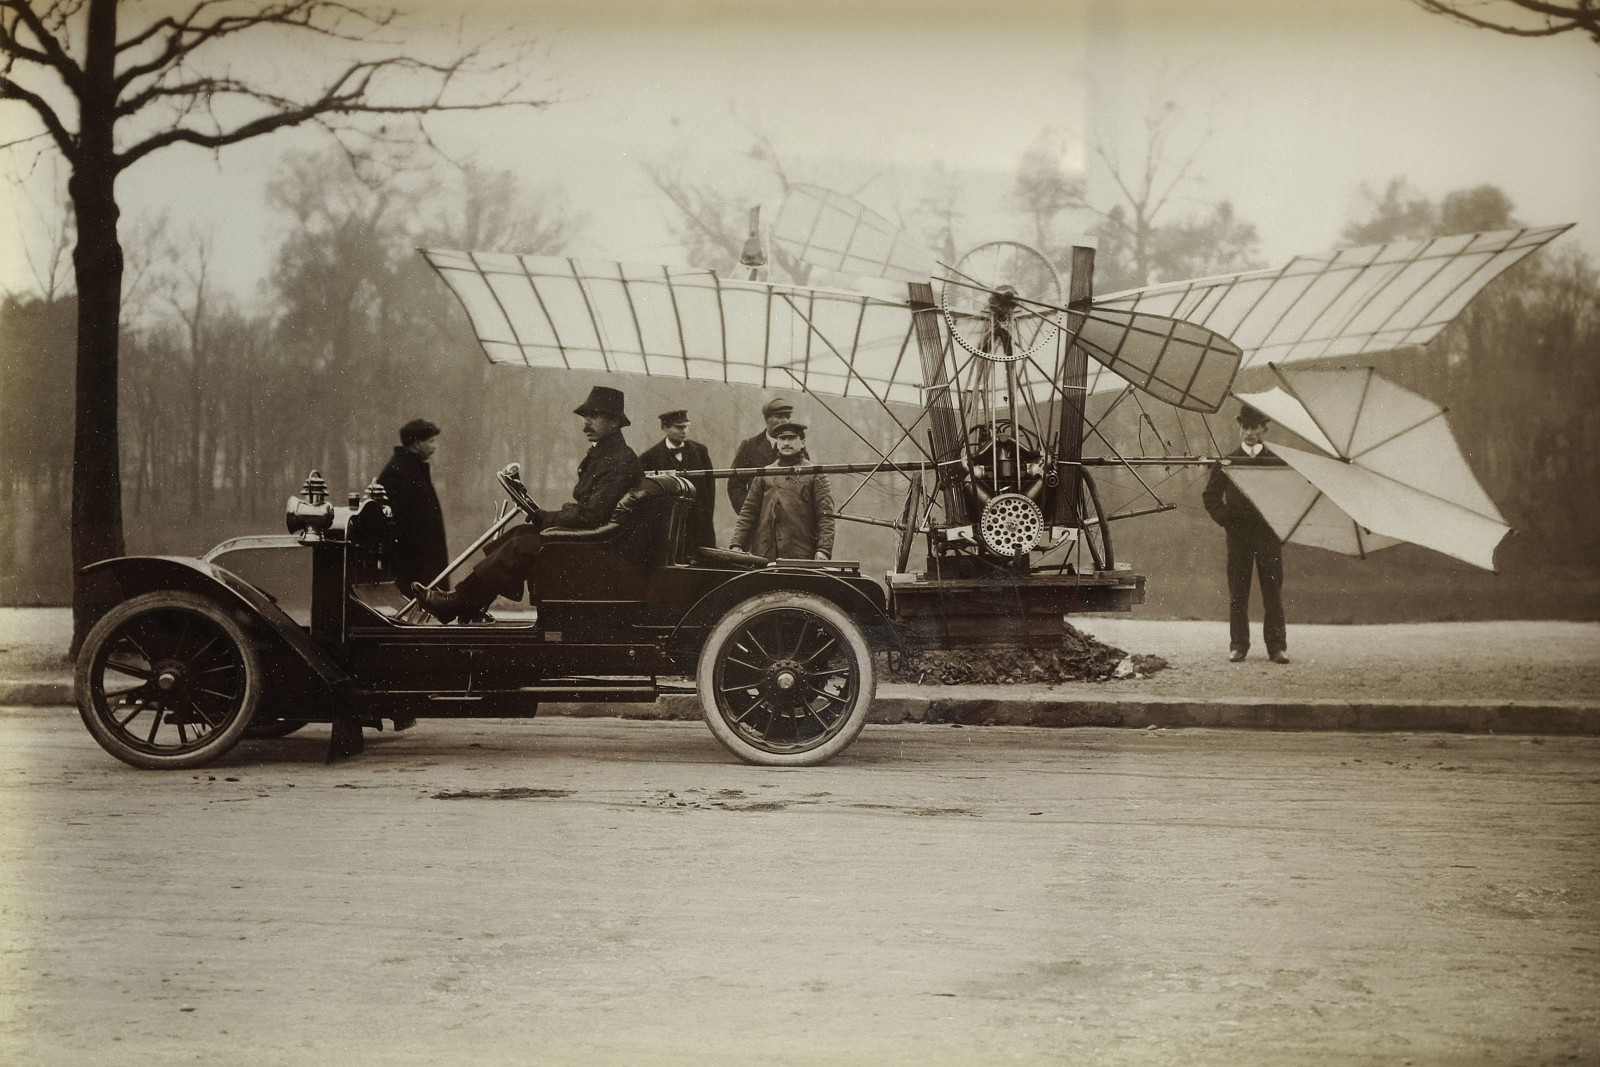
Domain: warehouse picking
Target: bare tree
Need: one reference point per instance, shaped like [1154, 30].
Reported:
[106, 96]
[1522, 18]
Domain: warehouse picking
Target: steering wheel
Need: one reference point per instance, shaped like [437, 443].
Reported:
[511, 481]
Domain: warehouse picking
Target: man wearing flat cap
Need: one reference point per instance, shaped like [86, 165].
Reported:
[604, 476]
[760, 450]
[675, 452]
[1252, 545]
[787, 516]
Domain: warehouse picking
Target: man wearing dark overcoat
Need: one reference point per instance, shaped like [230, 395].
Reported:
[605, 475]
[419, 551]
[787, 516]
[675, 452]
[758, 451]
[1252, 545]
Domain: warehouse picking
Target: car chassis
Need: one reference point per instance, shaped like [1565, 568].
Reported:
[188, 658]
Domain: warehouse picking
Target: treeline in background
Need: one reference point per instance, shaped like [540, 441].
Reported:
[227, 406]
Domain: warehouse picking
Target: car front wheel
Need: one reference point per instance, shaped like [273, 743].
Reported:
[786, 679]
[168, 680]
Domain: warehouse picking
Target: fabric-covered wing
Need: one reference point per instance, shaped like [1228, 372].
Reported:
[1342, 303]
[1358, 415]
[838, 233]
[615, 318]
[1394, 509]
[1180, 363]
[1301, 513]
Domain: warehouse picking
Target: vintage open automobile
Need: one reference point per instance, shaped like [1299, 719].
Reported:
[189, 658]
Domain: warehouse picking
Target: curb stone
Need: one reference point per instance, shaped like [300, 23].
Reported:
[906, 704]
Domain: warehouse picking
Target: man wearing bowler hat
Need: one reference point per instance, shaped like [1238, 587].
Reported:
[759, 451]
[675, 452]
[604, 476]
[1252, 544]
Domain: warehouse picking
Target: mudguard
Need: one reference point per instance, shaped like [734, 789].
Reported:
[116, 580]
[867, 609]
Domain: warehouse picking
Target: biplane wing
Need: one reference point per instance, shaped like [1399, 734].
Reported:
[1347, 302]
[617, 318]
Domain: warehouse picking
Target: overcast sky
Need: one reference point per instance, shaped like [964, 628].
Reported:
[1304, 100]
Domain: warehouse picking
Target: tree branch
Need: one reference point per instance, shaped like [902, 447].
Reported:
[10, 90]
[49, 53]
[1581, 15]
[185, 36]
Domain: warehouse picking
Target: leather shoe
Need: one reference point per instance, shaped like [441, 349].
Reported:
[1280, 657]
[444, 606]
[1236, 656]
[403, 724]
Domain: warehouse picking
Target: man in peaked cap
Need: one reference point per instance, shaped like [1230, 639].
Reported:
[675, 452]
[1252, 545]
[758, 451]
[607, 473]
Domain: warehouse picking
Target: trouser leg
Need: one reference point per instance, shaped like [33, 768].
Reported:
[1269, 564]
[503, 570]
[1240, 561]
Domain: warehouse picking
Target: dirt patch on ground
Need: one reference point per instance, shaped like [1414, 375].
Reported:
[1080, 657]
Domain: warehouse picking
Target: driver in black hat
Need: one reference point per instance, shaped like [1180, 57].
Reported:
[604, 476]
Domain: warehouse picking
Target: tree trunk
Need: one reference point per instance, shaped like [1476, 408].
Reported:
[97, 265]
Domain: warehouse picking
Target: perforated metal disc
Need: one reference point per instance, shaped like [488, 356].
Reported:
[1010, 525]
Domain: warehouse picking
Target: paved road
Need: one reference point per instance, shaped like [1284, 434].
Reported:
[570, 891]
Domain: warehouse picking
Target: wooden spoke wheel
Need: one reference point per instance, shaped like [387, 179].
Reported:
[168, 680]
[786, 679]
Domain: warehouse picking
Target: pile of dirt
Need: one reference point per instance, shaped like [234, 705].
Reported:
[1078, 658]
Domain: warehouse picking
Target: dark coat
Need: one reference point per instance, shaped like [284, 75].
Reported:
[420, 551]
[787, 517]
[1231, 509]
[605, 474]
[692, 456]
[755, 452]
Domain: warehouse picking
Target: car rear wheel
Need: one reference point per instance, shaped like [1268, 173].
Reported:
[168, 680]
[786, 679]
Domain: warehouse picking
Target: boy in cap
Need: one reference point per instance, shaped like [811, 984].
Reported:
[420, 551]
[606, 473]
[675, 452]
[787, 516]
[1252, 545]
[759, 451]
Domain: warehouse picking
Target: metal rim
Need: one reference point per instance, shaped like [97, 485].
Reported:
[786, 680]
[989, 322]
[169, 682]
[1011, 524]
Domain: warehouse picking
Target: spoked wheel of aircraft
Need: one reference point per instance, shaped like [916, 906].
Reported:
[991, 297]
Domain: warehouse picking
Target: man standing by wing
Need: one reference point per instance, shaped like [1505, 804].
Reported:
[1252, 545]
[604, 476]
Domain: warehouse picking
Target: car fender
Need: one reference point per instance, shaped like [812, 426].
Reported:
[116, 580]
[866, 610]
